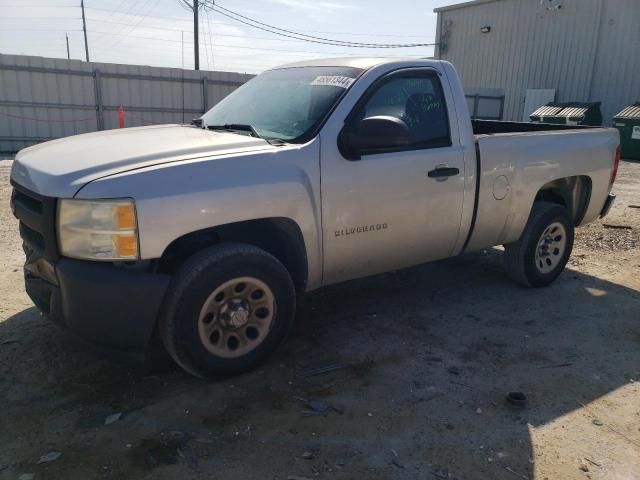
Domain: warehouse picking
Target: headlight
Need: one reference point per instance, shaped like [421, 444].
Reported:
[98, 229]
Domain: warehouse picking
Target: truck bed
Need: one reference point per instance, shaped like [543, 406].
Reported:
[489, 127]
[521, 158]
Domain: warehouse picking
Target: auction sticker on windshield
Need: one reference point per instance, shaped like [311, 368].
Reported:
[333, 80]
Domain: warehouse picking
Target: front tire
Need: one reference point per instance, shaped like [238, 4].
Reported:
[542, 252]
[227, 309]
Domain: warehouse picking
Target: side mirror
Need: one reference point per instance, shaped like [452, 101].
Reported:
[372, 135]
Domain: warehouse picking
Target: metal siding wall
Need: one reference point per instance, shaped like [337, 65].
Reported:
[56, 88]
[530, 47]
[616, 78]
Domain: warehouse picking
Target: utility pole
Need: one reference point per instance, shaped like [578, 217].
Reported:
[68, 54]
[84, 29]
[194, 6]
[196, 44]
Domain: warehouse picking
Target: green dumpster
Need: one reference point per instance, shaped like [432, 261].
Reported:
[628, 123]
[546, 112]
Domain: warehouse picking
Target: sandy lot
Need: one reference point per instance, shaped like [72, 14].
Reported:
[427, 355]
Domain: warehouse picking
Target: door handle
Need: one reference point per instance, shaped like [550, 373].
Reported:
[442, 172]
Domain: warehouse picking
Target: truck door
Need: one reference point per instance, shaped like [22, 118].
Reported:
[401, 206]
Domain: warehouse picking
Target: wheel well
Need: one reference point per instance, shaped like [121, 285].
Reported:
[281, 237]
[571, 192]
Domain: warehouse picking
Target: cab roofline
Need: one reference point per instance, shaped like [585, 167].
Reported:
[356, 62]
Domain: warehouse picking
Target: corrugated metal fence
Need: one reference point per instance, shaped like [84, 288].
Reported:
[46, 98]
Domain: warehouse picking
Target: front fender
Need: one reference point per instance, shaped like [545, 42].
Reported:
[175, 199]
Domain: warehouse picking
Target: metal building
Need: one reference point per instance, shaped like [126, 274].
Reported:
[536, 51]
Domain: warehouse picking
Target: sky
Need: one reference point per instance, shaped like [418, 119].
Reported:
[150, 32]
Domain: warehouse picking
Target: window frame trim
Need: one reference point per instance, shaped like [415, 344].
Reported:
[422, 72]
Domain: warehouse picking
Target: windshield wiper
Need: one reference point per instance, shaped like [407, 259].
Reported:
[241, 127]
[238, 127]
[278, 142]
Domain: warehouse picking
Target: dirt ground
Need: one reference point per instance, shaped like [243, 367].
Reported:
[427, 356]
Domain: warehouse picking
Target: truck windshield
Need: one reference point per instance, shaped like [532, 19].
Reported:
[286, 104]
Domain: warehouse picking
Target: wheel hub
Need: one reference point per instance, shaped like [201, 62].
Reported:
[235, 313]
[236, 317]
[551, 247]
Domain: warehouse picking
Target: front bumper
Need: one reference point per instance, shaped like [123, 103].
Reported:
[106, 304]
[109, 304]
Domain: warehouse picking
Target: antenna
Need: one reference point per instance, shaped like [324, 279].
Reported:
[182, 37]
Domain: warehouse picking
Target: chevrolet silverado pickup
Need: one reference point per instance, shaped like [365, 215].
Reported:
[310, 174]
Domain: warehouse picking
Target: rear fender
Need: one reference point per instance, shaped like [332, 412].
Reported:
[528, 162]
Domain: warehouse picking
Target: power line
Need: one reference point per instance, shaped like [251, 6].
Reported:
[139, 13]
[41, 30]
[148, 27]
[334, 43]
[116, 57]
[115, 11]
[131, 17]
[111, 12]
[41, 18]
[206, 12]
[206, 51]
[242, 47]
[182, 19]
[305, 37]
[132, 9]
[33, 5]
[250, 37]
[227, 52]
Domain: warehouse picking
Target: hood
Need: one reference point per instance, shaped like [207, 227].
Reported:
[61, 167]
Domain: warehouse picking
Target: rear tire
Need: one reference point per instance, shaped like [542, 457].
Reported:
[542, 252]
[227, 309]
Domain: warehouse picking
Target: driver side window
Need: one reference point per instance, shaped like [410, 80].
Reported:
[418, 100]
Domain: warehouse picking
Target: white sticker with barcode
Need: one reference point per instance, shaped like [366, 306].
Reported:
[635, 135]
[333, 81]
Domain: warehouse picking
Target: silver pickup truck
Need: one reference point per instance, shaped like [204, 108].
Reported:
[310, 174]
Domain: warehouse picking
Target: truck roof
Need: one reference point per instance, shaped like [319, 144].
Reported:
[356, 62]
